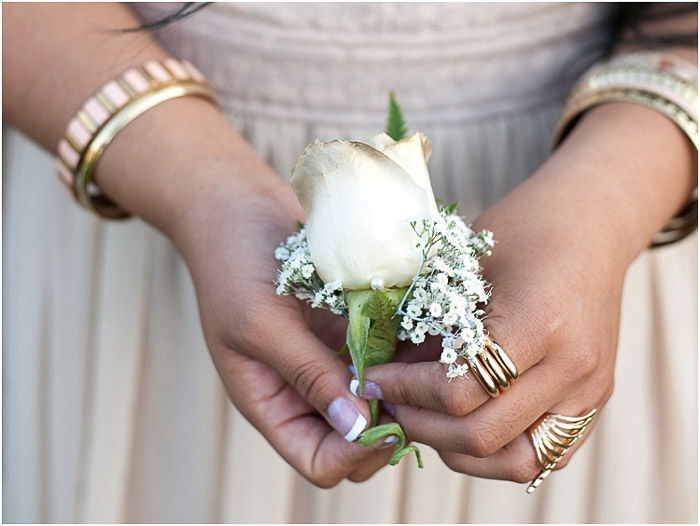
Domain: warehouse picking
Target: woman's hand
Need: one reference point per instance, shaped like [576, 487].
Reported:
[565, 238]
[226, 211]
[277, 371]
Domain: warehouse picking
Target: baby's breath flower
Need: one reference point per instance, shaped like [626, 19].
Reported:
[298, 276]
[448, 356]
[435, 310]
[443, 297]
[422, 327]
[281, 253]
[417, 337]
[307, 271]
[413, 310]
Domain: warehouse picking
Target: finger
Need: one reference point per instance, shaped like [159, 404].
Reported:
[424, 384]
[291, 425]
[385, 445]
[517, 460]
[489, 427]
[288, 346]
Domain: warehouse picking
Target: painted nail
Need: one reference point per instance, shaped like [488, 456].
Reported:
[383, 443]
[372, 390]
[388, 441]
[390, 408]
[346, 418]
[352, 369]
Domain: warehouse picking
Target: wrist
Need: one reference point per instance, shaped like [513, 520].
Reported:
[180, 154]
[632, 165]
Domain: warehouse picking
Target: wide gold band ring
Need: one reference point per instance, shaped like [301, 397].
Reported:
[552, 437]
[493, 368]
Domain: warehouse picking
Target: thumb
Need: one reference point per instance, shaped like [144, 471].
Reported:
[316, 373]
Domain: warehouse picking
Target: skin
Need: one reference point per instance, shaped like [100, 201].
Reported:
[555, 309]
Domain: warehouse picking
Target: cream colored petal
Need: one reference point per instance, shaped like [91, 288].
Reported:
[381, 141]
[412, 154]
[359, 204]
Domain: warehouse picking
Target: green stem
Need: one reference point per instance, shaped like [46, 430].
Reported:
[371, 435]
[371, 340]
[374, 411]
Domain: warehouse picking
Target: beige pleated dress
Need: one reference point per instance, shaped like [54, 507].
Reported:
[112, 410]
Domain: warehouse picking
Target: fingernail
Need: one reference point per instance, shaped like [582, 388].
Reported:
[390, 408]
[372, 391]
[388, 441]
[346, 418]
[383, 443]
[352, 369]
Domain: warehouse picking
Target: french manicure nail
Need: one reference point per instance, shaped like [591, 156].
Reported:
[372, 391]
[388, 441]
[385, 442]
[390, 408]
[346, 418]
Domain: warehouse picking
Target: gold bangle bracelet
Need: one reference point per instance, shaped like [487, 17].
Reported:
[111, 128]
[108, 111]
[579, 105]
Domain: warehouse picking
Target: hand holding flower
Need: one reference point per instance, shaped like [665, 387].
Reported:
[566, 237]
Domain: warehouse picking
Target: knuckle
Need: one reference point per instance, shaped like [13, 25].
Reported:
[452, 461]
[482, 441]
[583, 361]
[307, 379]
[323, 481]
[453, 398]
[356, 477]
[525, 334]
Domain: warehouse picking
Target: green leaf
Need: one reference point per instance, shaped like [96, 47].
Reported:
[372, 327]
[371, 338]
[395, 125]
[371, 435]
[451, 208]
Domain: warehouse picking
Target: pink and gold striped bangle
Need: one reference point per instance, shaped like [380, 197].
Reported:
[113, 107]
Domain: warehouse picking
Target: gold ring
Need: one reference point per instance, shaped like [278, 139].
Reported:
[552, 438]
[482, 375]
[493, 368]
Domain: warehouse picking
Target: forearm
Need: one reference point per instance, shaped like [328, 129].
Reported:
[622, 172]
[57, 55]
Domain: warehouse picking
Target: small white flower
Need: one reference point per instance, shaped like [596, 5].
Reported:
[448, 356]
[450, 318]
[436, 310]
[467, 335]
[281, 253]
[422, 327]
[417, 338]
[333, 286]
[307, 271]
[407, 323]
[420, 294]
[413, 310]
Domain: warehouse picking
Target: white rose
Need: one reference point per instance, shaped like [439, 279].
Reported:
[359, 199]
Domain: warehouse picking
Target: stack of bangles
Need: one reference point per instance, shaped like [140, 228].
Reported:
[106, 113]
[663, 82]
